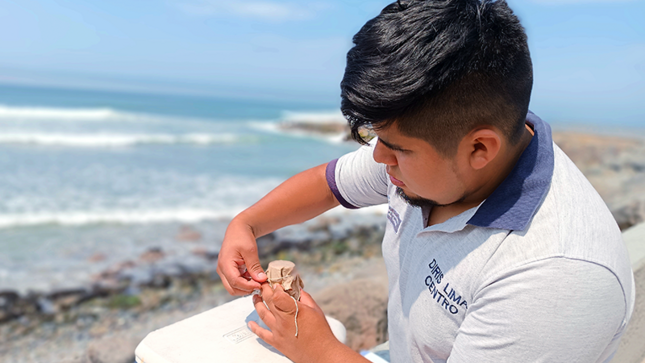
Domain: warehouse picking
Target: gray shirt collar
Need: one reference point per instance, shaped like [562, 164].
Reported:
[512, 205]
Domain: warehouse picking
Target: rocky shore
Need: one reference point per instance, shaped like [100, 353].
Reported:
[615, 166]
[103, 322]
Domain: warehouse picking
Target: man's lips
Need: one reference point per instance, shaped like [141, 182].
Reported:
[396, 181]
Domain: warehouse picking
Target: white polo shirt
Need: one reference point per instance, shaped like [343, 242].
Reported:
[536, 273]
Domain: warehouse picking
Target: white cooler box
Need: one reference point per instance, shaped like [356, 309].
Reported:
[219, 335]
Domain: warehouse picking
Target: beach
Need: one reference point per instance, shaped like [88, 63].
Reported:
[112, 217]
[161, 286]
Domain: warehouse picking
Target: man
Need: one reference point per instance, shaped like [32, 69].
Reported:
[497, 248]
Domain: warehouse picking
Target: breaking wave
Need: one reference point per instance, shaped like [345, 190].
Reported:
[117, 140]
[69, 114]
[119, 217]
[314, 117]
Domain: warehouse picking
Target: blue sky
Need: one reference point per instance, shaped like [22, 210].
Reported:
[589, 55]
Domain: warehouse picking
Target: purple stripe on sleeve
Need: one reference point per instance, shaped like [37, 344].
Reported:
[330, 174]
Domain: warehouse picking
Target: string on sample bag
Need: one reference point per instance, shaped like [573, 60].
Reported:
[295, 318]
[284, 273]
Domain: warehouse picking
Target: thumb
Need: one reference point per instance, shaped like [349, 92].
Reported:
[253, 266]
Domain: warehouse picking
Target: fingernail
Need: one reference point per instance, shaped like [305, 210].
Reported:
[262, 275]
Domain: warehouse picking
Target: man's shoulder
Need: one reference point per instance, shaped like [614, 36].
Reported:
[572, 222]
[573, 204]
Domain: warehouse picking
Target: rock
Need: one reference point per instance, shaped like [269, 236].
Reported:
[80, 358]
[329, 127]
[323, 223]
[97, 257]
[77, 359]
[152, 299]
[14, 306]
[121, 266]
[195, 266]
[267, 245]
[630, 214]
[319, 128]
[47, 307]
[187, 234]
[64, 299]
[615, 166]
[99, 330]
[361, 305]
[7, 301]
[152, 255]
[205, 253]
[113, 272]
[311, 236]
[112, 350]
[8, 297]
[159, 281]
[108, 286]
[140, 275]
[59, 294]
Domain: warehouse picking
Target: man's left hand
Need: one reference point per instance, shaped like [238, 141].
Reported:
[315, 341]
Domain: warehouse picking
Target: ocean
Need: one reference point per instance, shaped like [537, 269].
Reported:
[92, 178]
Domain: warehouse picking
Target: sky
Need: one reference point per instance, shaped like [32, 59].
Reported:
[588, 55]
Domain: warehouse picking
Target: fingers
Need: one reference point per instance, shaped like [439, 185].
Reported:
[266, 316]
[233, 280]
[239, 250]
[233, 291]
[252, 262]
[236, 287]
[244, 272]
[247, 275]
[267, 293]
[283, 302]
[264, 334]
[277, 299]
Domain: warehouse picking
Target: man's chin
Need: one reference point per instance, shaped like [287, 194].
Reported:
[415, 200]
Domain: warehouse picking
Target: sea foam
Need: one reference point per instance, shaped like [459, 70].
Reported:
[184, 215]
[57, 113]
[314, 117]
[116, 140]
[9, 114]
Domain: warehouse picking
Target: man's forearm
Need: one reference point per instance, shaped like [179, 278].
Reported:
[298, 199]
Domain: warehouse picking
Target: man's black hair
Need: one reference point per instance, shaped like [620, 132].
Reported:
[439, 69]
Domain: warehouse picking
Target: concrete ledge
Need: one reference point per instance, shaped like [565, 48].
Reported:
[632, 346]
[635, 241]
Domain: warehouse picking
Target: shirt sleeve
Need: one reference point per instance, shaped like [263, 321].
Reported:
[554, 310]
[357, 180]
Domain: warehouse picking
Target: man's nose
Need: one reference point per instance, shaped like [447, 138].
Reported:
[383, 155]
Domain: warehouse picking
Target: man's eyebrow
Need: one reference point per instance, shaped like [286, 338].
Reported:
[390, 145]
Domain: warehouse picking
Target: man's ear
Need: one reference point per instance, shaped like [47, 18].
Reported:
[481, 147]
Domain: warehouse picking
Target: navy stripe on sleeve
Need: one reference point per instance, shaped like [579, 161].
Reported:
[330, 174]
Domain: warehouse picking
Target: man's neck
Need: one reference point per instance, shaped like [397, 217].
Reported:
[496, 175]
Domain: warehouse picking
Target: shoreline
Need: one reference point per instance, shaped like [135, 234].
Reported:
[332, 253]
[614, 165]
[158, 286]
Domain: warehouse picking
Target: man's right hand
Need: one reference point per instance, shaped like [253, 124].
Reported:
[238, 264]
[299, 198]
